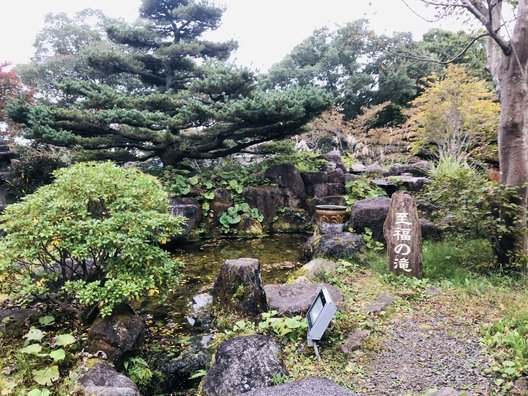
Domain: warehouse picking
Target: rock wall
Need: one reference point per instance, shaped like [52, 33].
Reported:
[289, 204]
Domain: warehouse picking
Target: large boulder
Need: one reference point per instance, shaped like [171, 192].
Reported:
[243, 364]
[307, 387]
[118, 336]
[102, 379]
[315, 183]
[295, 299]
[267, 199]
[334, 161]
[189, 208]
[370, 213]
[342, 245]
[177, 372]
[239, 286]
[420, 168]
[287, 177]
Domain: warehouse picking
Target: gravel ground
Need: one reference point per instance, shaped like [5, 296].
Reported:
[426, 350]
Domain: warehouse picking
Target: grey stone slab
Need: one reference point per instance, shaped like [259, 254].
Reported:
[307, 387]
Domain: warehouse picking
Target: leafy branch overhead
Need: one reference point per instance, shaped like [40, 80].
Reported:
[182, 101]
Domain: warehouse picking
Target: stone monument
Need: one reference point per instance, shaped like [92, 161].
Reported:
[403, 234]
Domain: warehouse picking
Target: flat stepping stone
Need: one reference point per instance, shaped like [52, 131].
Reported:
[355, 340]
[380, 304]
[295, 299]
[306, 387]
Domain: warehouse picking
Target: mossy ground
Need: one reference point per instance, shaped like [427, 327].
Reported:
[470, 299]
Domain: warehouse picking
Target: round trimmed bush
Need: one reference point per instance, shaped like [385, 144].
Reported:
[91, 238]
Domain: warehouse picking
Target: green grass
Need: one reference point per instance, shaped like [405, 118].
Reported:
[455, 263]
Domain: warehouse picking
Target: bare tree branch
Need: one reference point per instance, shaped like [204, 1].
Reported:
[409, 55]
[418, 14]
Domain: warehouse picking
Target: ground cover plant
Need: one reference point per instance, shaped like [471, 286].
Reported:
[41, 362]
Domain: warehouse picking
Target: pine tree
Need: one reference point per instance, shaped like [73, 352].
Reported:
[163, 91]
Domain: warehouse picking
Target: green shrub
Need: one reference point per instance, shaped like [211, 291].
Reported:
[92, 237]
[468, 203]
[34, 168]
[362, 188]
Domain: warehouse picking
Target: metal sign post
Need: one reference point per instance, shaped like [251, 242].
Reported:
[319, 316]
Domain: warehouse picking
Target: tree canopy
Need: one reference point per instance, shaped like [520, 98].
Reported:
[11, 87]
[360, 68]
[158, 89]
[456, 114]
[60, 52]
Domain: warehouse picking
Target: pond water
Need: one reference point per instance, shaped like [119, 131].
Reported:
[279, 256]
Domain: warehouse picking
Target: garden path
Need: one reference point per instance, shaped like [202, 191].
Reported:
[434, 344]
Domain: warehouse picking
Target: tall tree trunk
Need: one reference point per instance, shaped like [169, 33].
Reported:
[513, 155]
[510, 72]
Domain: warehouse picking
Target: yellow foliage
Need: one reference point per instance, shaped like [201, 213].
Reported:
[456, 112]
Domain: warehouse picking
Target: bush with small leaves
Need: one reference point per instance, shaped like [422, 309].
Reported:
[466, 203]
[92, 237]
[34, 168]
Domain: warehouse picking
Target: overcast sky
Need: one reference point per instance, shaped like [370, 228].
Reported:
[266, 30]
